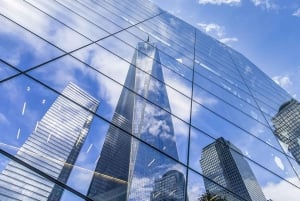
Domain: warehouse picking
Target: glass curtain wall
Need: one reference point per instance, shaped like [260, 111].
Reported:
[120, 100]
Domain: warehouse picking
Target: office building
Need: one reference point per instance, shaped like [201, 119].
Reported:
[53, 148]
[287, 127]
[228, 168]
[166, 91]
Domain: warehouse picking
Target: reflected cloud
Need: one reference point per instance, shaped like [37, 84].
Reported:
[278, 162]
[282, 190]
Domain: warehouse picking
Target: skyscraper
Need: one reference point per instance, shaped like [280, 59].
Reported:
[170, 187]
[287, 127]
[52, 147]
[228, 168]
[122, 159]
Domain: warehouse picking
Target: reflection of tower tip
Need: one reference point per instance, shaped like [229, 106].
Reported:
[148, 39]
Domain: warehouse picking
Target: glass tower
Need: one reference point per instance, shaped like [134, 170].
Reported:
[122, 163]
[223, 165]
[287, 127]
[52, 148]
[169, 93]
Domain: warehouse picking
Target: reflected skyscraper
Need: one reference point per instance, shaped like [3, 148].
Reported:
[53, 148]
[124, 164]
[287, 127]
[228, 168]
[169, 187]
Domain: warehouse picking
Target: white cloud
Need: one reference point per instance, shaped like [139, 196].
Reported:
[282, 190]
[297, 13]
[217, 31]
[212, 28]
[219, 2]
[229, 40]
[283, 81]
[265, 4]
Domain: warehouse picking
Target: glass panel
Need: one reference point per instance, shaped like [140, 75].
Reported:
[21, 183]
[70, 19]
[139, 116]
[202, 189]
[105, 12]
[250, 147]
[28, 50]
[42, 25]
[275, 188]
[101, 19]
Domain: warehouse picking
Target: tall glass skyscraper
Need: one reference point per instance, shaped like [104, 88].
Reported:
[167, 92]
[121, 158]
[225, 166]
[52, 148]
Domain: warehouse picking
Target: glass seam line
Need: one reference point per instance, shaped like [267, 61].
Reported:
[230, 122]
[131, 135]
[25, 72]
[190, 120]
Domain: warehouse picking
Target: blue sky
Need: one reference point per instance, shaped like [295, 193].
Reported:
[265, 31]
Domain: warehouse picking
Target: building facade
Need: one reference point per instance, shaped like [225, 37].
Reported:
[52, 147]
[224, 166]
[167, 90]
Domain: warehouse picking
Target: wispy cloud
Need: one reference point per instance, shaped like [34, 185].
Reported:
[297, 13]
[265, 4]
[217, 31]
[220, 2]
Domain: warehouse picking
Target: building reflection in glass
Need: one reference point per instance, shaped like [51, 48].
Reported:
[229, 169]
[169, 187]
[287, 127]
[125, 170]
[52, 147]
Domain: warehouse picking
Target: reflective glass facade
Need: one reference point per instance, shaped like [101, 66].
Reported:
[151, 93]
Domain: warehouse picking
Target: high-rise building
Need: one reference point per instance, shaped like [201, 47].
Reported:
[170, 187]
[287, 127]
[53, 148]
[168, 91]
[123, 160]
[227, 167]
